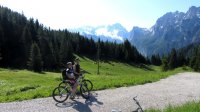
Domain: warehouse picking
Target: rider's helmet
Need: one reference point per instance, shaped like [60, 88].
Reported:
[69, 63]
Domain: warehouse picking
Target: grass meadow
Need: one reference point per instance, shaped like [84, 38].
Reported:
[17, 85]
[188, 107]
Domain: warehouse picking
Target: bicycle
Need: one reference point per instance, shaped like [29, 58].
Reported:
[139, 109]
[86, 82]
[61, 93]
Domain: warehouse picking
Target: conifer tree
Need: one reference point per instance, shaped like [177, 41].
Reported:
[165, 64]
[155, 60]
[195, 61]
[1, 42]
[25, 42]
[181, 59]
[66, 51]
[172, 59]
[192, 61]
[49, 60]
[197, 64]
[35, 60]
[127, 50]
[0, 56]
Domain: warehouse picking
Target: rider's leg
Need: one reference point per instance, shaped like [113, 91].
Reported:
[74, 88]
[73, 91]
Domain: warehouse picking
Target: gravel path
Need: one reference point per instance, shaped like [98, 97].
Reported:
[174, 90]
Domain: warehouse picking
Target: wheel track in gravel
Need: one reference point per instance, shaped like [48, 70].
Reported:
[174, 90]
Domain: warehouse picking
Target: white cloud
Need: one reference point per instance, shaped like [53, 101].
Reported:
[105, 32]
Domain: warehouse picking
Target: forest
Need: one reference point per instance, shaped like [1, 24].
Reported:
[28, 44]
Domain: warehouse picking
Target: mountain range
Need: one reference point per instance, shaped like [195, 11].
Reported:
[172, 30]
[115, 32]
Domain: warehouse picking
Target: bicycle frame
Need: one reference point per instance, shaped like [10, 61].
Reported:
[78, 81]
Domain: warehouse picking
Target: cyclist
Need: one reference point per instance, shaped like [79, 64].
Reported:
[70, 75]
[77, 73]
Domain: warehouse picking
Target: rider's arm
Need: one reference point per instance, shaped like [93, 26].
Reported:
[74, 68]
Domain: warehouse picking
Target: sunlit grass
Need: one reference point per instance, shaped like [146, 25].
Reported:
[188, 107]
[24, 84]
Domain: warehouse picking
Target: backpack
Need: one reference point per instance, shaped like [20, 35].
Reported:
[64, 76]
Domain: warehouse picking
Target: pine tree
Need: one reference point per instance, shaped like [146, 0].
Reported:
[66, 51]
[165, 64]
[0, 56]
[126, 55]
[172, 59]
[33, 30]
[155, 60]
[148, 61]
[49, 60]
[198, 62]
[181, 59]
[25, 42]
[35, 60]
[2, 39]
[78, 49]
[192, 58]
[195, 59]
[116, 51]
[93, 48]
[56, 52]
[192, 61]
[127, 50]
[2, 42]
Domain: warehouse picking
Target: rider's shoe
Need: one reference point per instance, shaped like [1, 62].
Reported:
[72, 96]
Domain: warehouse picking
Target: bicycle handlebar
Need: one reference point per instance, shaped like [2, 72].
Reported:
[134, 98]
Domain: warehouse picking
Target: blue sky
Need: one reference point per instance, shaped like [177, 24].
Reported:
[60, 14]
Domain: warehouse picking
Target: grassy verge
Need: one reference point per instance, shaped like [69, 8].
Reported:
[22, 84]
[188, 107]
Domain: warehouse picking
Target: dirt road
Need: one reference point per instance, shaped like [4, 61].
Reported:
[174, 90]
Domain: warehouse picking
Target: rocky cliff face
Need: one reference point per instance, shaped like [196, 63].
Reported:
[172, 30]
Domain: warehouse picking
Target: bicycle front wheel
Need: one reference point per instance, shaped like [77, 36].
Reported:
[60, 94]
[88, 84]
[84, 91]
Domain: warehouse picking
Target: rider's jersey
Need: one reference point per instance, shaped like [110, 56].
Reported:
[70, 72]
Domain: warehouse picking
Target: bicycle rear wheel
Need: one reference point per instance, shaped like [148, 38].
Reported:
[60, 94]
[88, 84]
[84, 91]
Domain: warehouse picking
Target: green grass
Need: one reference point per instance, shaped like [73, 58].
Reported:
[188, 107]
[23, 84]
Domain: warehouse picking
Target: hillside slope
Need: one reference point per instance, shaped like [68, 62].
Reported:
[23, 84]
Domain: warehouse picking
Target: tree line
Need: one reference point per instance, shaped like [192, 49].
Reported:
[187, 56]
[25, 43]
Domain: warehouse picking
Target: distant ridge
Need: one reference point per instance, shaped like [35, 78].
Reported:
[172, 30]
